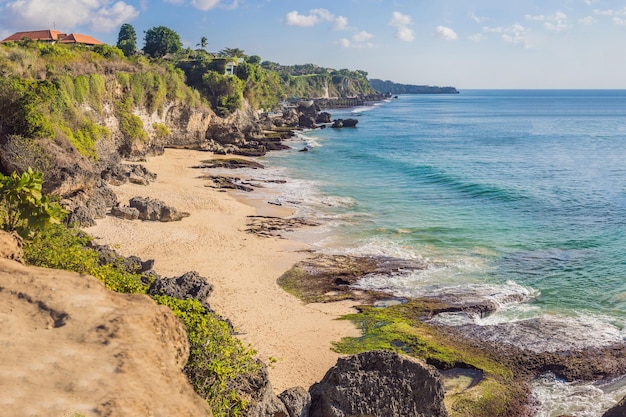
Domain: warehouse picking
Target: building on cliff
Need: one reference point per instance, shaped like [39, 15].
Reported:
[52, 36]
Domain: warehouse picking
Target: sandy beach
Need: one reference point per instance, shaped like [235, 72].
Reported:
[243, 267]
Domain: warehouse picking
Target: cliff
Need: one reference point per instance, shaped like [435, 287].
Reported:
[395, 88]
[72, 347]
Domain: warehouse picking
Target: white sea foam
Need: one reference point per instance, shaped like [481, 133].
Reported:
[581, 400]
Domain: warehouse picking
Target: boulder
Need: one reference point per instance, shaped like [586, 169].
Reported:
[125, 212]
[306, 121]
[189, 285]
[297, 401]
[11, 246]
[323, 117]
[337, 124]
[618, 411]
[153, 209]
[379, 384]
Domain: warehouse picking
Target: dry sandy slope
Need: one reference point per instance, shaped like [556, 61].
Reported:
[68, 346]
[242, 267]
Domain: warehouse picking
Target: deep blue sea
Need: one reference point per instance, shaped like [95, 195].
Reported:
[506, 195]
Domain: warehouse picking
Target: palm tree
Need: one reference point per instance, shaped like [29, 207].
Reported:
[232, 53]
[203, 42]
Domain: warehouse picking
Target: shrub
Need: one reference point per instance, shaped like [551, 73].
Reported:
[63, 247]
[216, 358]
[25, 209]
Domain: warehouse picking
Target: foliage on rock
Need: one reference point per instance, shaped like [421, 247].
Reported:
[23, 208]
[217, 359]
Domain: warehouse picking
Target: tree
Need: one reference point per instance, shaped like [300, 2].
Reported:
[254, 59]
[160, 41]
[232, 53]
[203, 42]
[127, 39]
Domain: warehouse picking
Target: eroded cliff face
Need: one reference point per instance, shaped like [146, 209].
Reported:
[69, 346]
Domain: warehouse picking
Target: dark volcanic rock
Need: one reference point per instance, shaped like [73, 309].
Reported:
[153, 209]
[337, 124]
[263, 402]
[350, 122]
[323, 117]
[618, 411]
[297, 401]
[267, 226]
[230, 163]
[122, 173]
[326, 278]
[189, 285]
[132, 264]
[123, 212]
[379, 384]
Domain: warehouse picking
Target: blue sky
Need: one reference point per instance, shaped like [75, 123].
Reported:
[464, 43]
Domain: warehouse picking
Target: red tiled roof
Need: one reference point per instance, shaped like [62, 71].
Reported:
[52, 36]
[36, 35]
[78, 38]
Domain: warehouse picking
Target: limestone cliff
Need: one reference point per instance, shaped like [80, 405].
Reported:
[71, 347]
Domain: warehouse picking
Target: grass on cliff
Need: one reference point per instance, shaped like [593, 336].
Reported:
[217, 360]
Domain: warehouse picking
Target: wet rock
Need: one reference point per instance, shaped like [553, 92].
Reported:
[337, 124]
[267, 226]
[325, 278]
[225, 182]
[297, 401]
[306, 121]
[187, 286]
[323, 117]
[156, 210]
[229, 163]
[381, 384]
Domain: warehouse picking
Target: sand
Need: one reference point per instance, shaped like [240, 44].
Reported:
[294, 338]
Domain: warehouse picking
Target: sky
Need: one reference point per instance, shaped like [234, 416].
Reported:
[469, 44]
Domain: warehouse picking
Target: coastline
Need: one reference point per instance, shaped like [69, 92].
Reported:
[294, 339]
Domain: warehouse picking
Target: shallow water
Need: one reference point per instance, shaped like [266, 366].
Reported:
[518, 197]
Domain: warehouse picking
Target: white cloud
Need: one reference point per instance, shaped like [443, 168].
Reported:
[399, 20]
[556, 22]
[100, 15]
[589, 20]
[108, 19]
[402, 22]
[204, 4]
[477, 37]
[405, 34]
[618, 17]
[362, 36]
[590, 2]
[476, 18]
[445, 33]
[358, 40]
[341, 23]
[314, 17]
[515, 34]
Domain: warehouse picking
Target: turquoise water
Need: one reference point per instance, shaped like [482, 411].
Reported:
[500, 192]
[501, 186]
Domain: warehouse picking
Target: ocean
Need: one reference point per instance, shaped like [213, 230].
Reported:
[513, 196]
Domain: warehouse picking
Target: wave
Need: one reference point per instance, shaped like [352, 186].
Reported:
[557, 397]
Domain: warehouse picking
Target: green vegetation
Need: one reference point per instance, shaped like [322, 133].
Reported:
[217, 361]
[160, 41]
[23, 208]
[216, 358]
[62, 247]
[127, 39]
[398, 328]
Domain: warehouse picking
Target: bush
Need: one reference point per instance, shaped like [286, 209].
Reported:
[63, 247]
[25, 209]
[216, 358]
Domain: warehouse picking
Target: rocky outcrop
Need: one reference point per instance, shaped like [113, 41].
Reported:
[123, 173]
[339, 123]
[11, 246]
[156, 210]
[187, 286]
[379, 384]
[81, 349]
[297, 401]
